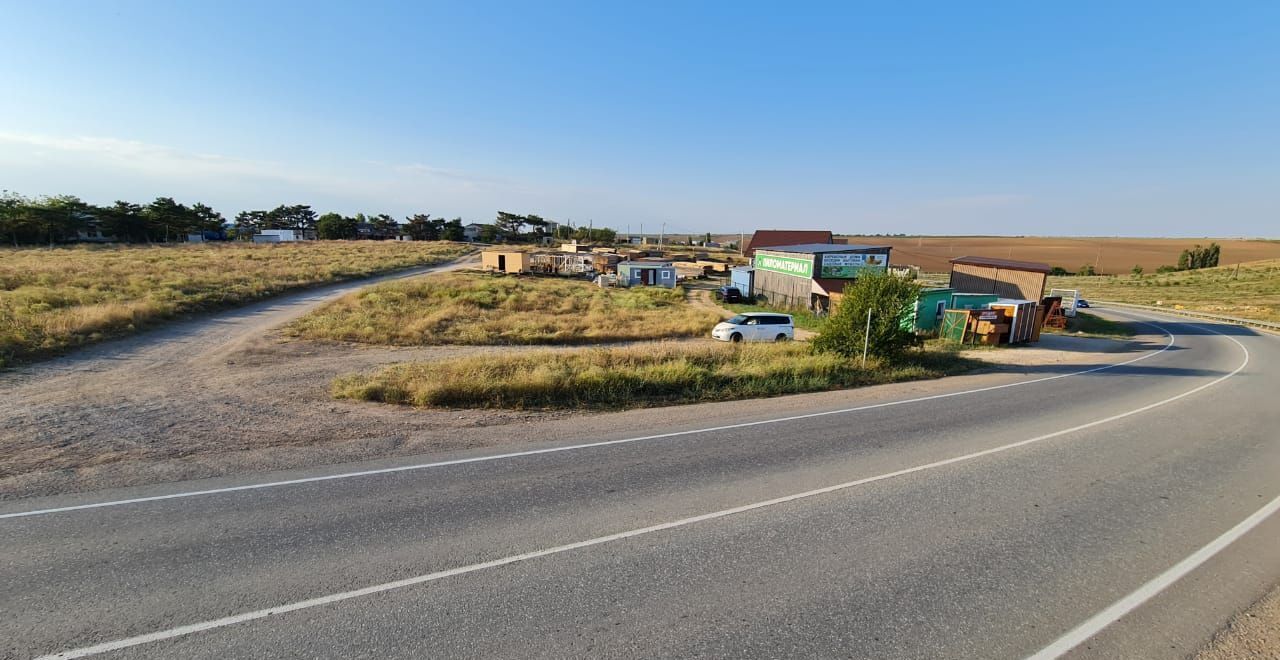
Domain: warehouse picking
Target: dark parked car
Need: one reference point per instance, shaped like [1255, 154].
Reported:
[729, 294]
[1082, 303]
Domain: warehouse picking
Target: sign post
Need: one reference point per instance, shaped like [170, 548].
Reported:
[866, 339]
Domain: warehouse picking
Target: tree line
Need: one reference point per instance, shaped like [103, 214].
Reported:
[67, 218]
[1199, 257]
[63, 218]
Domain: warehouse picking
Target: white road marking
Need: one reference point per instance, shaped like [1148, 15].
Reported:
[587, 445]
[512, 559]
[1146, 592]
[1129, 603]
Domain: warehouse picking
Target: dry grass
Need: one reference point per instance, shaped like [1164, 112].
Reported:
[54, 299]
[479, 309]
[1251, 292]
[633, 376]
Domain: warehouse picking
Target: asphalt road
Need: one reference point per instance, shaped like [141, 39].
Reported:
[981, 524]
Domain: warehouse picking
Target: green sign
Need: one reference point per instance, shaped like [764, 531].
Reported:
[798, 266]
[842, 265]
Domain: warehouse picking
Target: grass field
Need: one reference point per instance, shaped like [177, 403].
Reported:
[480, 308]
[1110, 255]
[611, 378]
[1252, 291]
[55, 299]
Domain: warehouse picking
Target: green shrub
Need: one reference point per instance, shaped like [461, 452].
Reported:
[886, 298]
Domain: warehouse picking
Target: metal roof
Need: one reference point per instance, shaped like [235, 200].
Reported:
[818, 248]
[1007, 264]
[764, 239]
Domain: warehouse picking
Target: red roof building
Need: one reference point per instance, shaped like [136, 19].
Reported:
[767, 238]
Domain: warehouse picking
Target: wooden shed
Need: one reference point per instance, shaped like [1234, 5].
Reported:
[505, 261]
[1023, 280]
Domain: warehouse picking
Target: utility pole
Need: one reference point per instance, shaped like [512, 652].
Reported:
[662, 233]
[642, 241]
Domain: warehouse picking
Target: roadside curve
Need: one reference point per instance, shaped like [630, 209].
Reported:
[579, 446]
[880, 533]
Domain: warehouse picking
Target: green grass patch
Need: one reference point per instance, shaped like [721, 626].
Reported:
[612, 378]
[476, 308]
[55, 299]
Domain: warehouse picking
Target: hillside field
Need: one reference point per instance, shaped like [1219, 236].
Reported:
[1113, 256]
[1251, 291]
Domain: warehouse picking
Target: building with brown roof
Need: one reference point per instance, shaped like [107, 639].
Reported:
[766, 238]
[1019, 280]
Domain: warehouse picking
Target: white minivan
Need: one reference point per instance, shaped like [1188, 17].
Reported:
[756, 326]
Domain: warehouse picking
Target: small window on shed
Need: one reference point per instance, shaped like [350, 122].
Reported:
[666, 274]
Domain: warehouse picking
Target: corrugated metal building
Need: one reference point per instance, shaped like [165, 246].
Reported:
[1003, 277]
[813, 275]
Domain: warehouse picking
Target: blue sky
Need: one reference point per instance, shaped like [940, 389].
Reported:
[939, 118]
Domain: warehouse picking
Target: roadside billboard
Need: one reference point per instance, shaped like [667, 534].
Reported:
[847, 266]
[797, 266]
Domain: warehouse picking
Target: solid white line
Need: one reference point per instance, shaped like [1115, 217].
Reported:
[1120, 608]
[1125, 605]
[587, 445]
[512, 559]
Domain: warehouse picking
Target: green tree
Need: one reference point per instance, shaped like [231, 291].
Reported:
[124, 221]
[297, 216]
[887, 298]
[15, 221]
[167, 220]
[334, 227]
[384, 226]
[1086, 270]
[57, 218]
[206, 218]
[250, 222]
[1136, 270]
[452, 230]
[510, 224]
[422, 227]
